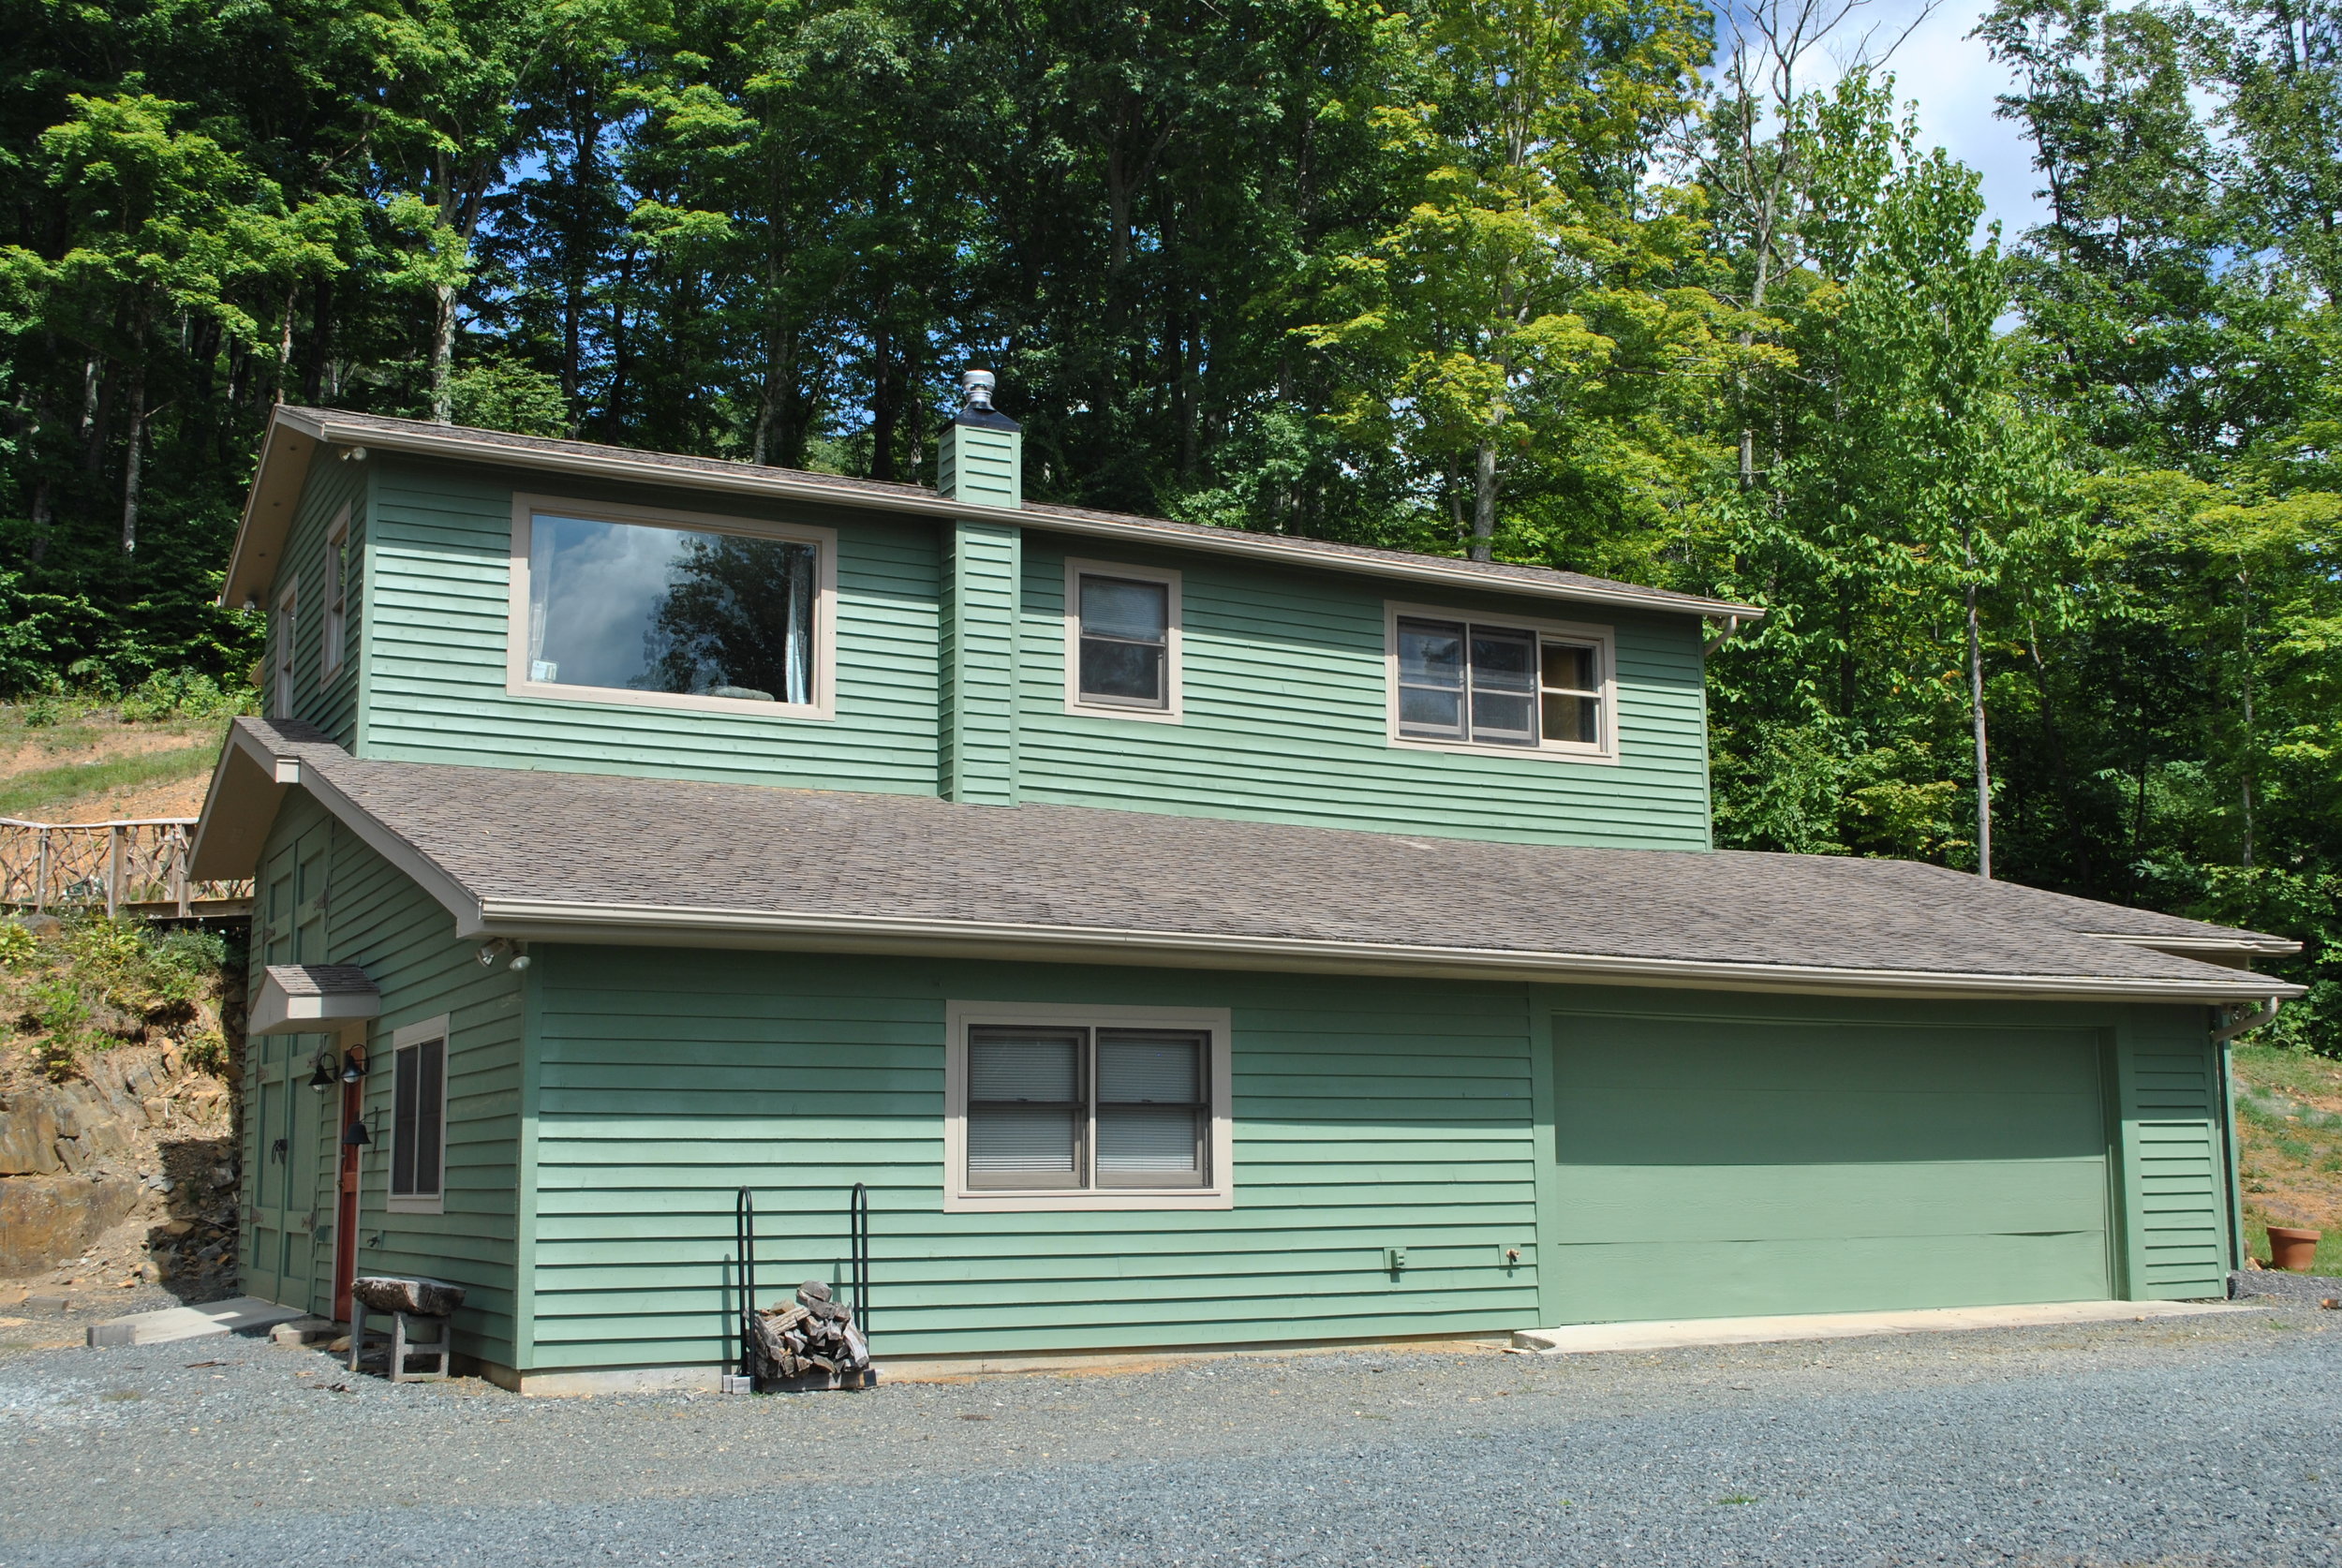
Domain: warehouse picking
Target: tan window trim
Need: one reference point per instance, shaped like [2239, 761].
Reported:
[1602, 639]
[1173, 708]
[824, 542]
[959, 1017]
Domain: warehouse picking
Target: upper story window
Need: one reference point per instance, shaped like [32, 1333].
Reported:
[1121, 640]
[1055, 1106]
[1465, 683]
[671, 608]
[281, 638]
[335, 630]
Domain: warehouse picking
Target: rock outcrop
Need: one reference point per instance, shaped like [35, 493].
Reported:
[78, 1158]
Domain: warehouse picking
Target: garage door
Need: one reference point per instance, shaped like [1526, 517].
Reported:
[1727, 1168]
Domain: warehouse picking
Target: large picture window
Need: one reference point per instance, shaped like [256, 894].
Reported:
[1100, 1107]
[1463, 683]
[649, 609]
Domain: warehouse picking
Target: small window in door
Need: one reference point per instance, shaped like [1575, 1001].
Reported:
[417, 1125]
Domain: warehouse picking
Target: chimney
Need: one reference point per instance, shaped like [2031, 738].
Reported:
[980, 458]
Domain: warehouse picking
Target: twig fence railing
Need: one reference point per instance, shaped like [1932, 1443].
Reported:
[137, 865]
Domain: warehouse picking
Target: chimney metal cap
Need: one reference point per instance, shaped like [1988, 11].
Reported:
[975, 387]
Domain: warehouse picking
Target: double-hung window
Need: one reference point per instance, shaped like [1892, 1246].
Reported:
[418, 1117]
[671, 610]
[1101, 1107]
[1121, 640]
[1459, 682]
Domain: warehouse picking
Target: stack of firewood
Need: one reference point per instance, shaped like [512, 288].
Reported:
[811, 1337]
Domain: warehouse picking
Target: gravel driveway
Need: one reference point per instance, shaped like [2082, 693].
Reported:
[2176, 1441]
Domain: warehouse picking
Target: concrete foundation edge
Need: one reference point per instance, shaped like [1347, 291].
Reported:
[1593, 1337]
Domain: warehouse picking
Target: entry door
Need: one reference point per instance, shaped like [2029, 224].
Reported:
[289, 1119]
[1725, 1168]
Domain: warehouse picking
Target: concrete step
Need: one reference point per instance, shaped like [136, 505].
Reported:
[191, 1323]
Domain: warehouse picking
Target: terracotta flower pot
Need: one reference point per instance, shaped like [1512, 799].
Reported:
[2293, 1248]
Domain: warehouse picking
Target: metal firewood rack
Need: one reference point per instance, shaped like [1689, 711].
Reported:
[857, 1281]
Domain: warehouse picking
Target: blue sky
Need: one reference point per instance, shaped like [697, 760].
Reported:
[1954, 81]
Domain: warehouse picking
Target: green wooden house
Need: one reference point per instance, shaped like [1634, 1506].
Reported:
[1187, 937]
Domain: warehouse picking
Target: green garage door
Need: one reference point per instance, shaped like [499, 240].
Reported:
[1728, 1168]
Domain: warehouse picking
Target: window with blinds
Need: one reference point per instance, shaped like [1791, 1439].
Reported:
[418, 1119]
[1088, 1109]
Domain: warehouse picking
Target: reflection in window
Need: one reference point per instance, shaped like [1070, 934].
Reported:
[1125, 642]
[638, 608]
[1496, 686]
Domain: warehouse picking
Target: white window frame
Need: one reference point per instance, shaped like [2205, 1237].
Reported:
[334, 628]
[824, 542]
[284, 631]
[434, 1201]
[1173, 710]
[1602, 639]
[958, 1197]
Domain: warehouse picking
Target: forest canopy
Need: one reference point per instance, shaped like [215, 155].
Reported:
[2045, 523]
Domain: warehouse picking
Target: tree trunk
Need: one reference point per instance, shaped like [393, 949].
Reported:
[1484, 502]
[443, 355]
[2244, 648]
[313, 384]
[883, 405]
[1983, 756]
[133, 459]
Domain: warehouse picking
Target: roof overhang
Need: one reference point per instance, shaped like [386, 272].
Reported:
[295, 437]
[650, 925]
[312, 998]
[247, 786]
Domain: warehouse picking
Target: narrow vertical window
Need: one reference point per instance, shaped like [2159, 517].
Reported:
[281, 637]
[1571, 686]
[334, 628]
[1125, 642]
[418, 1119]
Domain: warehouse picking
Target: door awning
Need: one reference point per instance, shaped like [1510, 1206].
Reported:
[312, 998]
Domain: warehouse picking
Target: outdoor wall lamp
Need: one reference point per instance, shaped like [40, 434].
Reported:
[354, 1066]
[355, 1135]
[326, 1072]
[497, 947]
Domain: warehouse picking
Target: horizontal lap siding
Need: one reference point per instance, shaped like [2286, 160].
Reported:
[381, 922]
[2177, 1162]
[436, 686]
[1284, 717]
[331, 705]
[1368, 1115]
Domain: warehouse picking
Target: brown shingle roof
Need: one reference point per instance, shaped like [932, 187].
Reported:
[593, 856]
[259, 540]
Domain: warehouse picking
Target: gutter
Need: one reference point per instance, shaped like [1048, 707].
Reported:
[2261, 1017]
[780, 485]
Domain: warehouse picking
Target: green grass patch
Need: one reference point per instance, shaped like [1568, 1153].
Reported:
[2327, 1260]
[28, 794]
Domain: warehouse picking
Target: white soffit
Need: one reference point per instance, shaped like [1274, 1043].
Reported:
[311, 999]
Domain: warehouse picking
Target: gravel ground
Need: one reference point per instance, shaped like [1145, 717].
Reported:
[2302, 1290]
[2193, 1441]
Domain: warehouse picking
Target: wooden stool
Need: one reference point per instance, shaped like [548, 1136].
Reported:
[402, 1343]
[409, 1302]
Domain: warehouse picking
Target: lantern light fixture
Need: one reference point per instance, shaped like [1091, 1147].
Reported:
[324, 1072]
[354, 1066]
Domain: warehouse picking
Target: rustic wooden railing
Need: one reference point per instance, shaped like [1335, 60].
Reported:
[139, 865]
